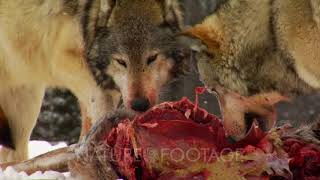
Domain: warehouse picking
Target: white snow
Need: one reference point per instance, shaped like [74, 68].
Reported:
[11, 174]
[36, 148]
[40, 147]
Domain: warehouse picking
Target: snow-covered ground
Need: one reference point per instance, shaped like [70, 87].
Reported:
[35, 148]
[40, 147]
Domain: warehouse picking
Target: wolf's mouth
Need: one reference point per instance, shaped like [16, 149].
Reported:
[241, 114]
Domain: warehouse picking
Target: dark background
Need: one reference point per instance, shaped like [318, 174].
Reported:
[60, 118]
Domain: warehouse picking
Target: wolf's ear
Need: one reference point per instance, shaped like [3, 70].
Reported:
[172, 14]
[95, 14]
[106, 8]
[207, 34]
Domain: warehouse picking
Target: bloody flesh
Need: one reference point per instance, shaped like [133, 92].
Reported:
[179, 140]
[167, 130]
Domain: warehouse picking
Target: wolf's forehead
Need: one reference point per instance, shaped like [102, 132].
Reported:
[135, 38]
[146, 10]
[136, 25]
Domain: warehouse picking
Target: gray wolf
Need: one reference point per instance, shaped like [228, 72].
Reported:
[252, 47]
[100, 50]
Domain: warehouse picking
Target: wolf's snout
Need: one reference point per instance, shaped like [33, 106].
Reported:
[140, 104]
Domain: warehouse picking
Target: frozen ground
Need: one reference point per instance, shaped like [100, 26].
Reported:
[36, 148]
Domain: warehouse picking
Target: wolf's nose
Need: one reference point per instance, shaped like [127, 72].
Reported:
[140, 104]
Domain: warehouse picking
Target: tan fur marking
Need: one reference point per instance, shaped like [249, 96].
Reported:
[206, 36]
[77, 53]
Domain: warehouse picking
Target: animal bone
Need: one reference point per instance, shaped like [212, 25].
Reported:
[56, 160]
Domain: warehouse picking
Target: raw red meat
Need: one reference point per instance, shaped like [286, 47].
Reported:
[305, 158]
[179, 140]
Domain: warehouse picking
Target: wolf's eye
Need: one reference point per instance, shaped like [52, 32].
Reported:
[121, 62]
[152, 59]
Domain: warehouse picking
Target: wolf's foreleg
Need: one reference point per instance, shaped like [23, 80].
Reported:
[21, 106]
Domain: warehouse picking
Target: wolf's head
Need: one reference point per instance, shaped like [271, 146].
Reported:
[138, 48]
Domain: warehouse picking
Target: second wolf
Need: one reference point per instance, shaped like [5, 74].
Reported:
[94, 48]
[260, 46]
